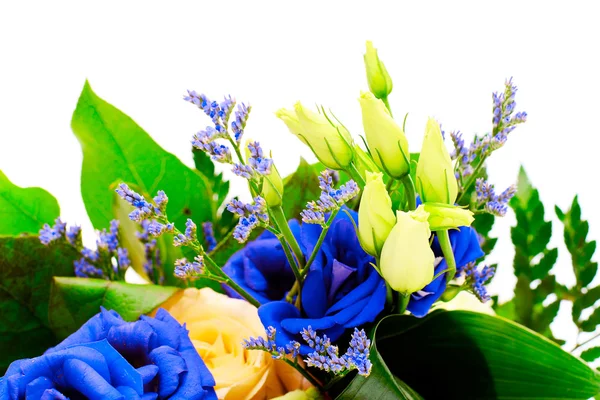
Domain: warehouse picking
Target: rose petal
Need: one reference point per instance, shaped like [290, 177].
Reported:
[361, 291]
[375, 305]
[128, 393]
[170, 366]
[83, 378]
[314, 292]
[52, 394]
[273, 313]
[167, 330]
[148, 373]
[131, 339]
[36, 388]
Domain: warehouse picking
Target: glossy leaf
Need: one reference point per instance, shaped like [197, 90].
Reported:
[467, 355]
[24, 210]
[75, 300]
[26, 270]
[299, 188]
[591, 354]
[116, 149]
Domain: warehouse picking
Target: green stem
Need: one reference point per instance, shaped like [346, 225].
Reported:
[586, 342]
[387, 104]
[354, 174]
[284, 228]
[295, 268]
[324, 231]
[409, 190]
[215, 269]
[471, 179]
[444, 239]
[402, 302]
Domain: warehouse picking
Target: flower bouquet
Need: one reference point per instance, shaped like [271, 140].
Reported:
[361, 276]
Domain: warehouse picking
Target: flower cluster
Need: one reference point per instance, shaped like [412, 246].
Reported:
[185, 269]
[330, 199]
[143, 209]
[494, 204]
[205, 141]
[258, 165]
[241, 117]
[152, 261]
[291, 350]
[108, 261]
[209, 236]
[185, 239]
[218, 112]
[251, 216]
[477, 279]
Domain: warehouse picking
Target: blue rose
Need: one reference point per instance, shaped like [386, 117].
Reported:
[341, 289]
[466, 249]
[109, 358]
[261, 268]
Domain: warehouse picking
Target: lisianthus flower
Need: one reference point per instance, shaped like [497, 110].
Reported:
[109, 358]
[341, 289]
[261, 267]
[218, 326]
[466, 248]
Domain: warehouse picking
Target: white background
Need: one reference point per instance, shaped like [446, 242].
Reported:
[445, 61]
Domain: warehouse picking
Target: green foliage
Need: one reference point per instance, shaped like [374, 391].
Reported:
[582, 251]
[116, 149]
[301, 187]
[532, 263]
[26, 271]
[75, 300]
[591, 354]
[490, 357]
[24, 210]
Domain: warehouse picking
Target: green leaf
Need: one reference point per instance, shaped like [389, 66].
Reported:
[26, 270]
[467, 355]
[75, 300]
[590, 324]
[116, 149]
[531, 237]
[300, 188]
[24, 210]
[591, 354]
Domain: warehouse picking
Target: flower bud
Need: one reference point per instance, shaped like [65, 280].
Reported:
[386, 140]
[375, 216]
[272, 190]
[436, 182]
[446, 216]
[363, 162]
[378, 78]
[407, 259]
[330, 142]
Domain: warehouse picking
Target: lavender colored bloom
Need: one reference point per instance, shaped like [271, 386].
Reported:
[244, 171]
[143, 208]
[109, 358]
[83, 269]
[123, 258]
[494, 204]
[237, 207]
[161, 201]
[477, 279]
[251, 216]
[74, 235]
[257, 161]
[185, 269]
[49, 233]
[241, 117]
[330, 198]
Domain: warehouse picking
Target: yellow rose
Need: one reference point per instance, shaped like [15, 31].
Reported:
[218, 326]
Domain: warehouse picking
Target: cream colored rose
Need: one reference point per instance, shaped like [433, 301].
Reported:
[218, 326]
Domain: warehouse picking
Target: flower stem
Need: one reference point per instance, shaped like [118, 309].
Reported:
[304, 373]
[409, 190]
[324, 231]
[215, 269]
[354, 174]
[471, 179]
[284, 228]
[402, 302]
[444, 239]
[387, 104]
[585, 342]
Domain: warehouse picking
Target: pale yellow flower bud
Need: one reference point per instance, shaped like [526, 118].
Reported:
[378, 78]
[328, 139]
[363, 162]
[436, 182]
[446, 216]
[272, 190]
[407, 259]
[386, 140]
[375, 216]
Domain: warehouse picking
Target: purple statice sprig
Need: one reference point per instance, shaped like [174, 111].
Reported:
[491, 202]
[252, 215]
[209, 236]
[476, 279]
[188, 270]
[257, 166]
[470, 159]
[330, 199]
[109, 260]
[289, 352]
[239, 124]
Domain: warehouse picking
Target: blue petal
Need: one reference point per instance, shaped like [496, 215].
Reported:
[314, 292]
[147, 372]
[351, 311]
[52, 394]
[121, 372]
[128, 393]
[36, 388]
[83, 378]
[420, 307]
[167, 330]
[199, 375]
[361, 291]
[131, 339]
[271, 314]
[170, 366]
[374, 307]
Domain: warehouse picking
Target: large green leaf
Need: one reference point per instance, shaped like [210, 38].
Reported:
[75, 300]
[467, 355]
[26, 270]
[299, 188]
[24, 209]
[116, 149]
